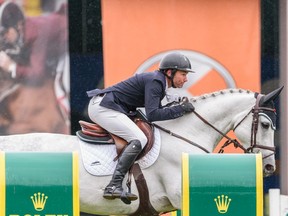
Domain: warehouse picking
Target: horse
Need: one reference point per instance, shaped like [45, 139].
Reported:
[21, 113]
[250, 114]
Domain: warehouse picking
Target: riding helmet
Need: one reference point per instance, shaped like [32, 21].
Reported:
[175, 60]
[10, 15]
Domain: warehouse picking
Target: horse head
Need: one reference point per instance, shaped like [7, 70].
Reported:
[255, 129]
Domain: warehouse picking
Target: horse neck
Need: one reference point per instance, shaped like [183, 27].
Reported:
[220, 109]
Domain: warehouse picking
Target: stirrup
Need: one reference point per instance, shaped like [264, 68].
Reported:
[128, 197]
[111, 193]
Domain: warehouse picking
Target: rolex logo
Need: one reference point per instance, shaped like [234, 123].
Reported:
[222, 203]
[39, 201]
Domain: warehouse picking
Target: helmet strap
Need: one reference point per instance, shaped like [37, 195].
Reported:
[173, 72]
[172, 77]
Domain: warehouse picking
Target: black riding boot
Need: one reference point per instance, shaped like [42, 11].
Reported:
[114, 189]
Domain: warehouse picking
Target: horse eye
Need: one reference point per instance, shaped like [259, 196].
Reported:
[265, 125]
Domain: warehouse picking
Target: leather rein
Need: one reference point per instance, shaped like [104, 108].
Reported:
[254, 129]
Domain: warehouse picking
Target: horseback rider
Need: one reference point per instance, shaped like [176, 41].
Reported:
[34, 44]
[33, 51]
[111, 108]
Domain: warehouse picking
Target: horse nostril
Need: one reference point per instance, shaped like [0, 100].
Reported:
[269, 168]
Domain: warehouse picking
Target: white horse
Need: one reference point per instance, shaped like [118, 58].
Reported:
[225, 110]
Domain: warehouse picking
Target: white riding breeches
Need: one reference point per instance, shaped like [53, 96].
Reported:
[115, 122]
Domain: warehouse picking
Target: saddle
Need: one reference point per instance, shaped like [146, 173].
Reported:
[95, 134]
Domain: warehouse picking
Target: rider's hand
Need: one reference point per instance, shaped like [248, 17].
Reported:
[187, 106]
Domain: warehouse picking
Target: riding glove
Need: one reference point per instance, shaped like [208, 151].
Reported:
[187, 106]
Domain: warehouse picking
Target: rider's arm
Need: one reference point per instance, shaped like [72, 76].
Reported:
[154, 111]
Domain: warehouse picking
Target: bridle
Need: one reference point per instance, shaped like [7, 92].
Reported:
[256, 110]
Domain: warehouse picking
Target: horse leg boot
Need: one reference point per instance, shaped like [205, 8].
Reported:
[114, 189]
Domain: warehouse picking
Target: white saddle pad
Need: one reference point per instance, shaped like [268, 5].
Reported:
[98, 159]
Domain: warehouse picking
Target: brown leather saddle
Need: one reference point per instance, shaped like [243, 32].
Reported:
[95, 134]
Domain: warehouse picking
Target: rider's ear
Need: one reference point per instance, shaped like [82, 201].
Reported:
[271, 96]
[169, 72]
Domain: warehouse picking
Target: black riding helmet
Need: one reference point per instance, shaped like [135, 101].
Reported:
[10, 14]
[175, 61]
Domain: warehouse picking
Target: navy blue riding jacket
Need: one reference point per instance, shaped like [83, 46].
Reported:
[142, 90]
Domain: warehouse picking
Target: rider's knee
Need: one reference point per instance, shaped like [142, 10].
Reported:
[136, 144]
[142, 139]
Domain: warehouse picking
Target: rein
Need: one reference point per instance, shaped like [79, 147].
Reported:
[180, 137]
[254, 129]
[229, 140]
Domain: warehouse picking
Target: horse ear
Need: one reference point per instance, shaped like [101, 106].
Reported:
[271, 96]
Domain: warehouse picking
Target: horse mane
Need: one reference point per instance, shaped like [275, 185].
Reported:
[220, 92]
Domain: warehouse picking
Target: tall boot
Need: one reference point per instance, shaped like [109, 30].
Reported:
[114, 189]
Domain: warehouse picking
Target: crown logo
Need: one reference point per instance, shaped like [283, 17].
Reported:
[222, 203]
[39, 201]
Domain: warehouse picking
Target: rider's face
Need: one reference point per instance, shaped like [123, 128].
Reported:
[11, 35]
[180, 78]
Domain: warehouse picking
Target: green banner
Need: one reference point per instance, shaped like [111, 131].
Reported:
[176, 213]
[222, 184]
[42, 184]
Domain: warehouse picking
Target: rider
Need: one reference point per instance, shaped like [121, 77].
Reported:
[111, 108]
[32, 51]
[31, 46]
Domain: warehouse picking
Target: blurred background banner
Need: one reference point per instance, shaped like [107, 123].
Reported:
[221, 38]
[34, 67]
